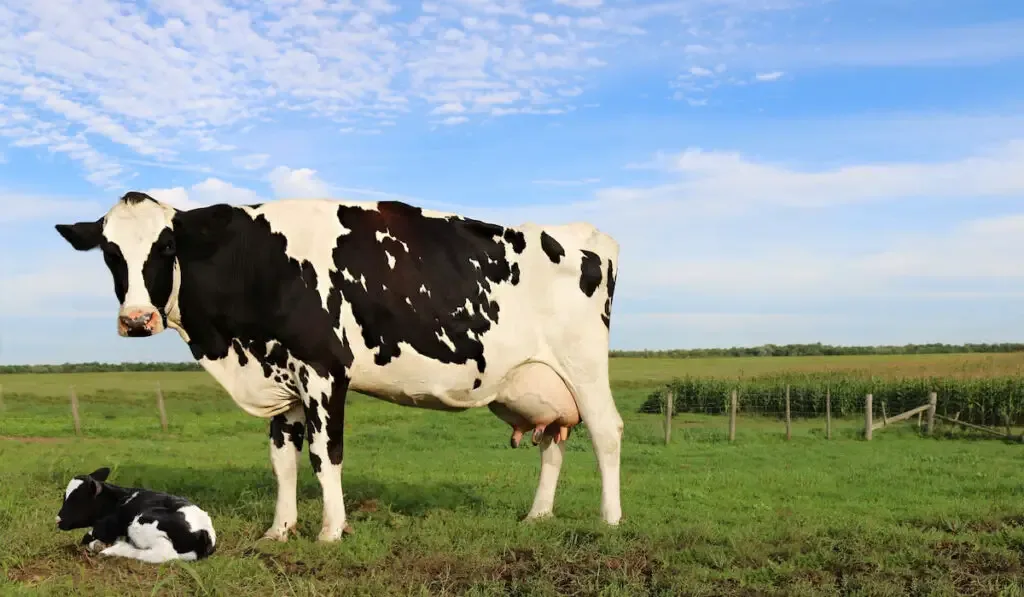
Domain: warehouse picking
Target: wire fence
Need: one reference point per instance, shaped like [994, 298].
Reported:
[731, 412]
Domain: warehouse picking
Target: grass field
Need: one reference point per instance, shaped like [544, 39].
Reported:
[435, 499]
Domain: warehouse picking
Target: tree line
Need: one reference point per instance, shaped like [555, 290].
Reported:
[819, 349]
[766, 350]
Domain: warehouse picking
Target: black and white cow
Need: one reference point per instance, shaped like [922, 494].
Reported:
[129, 522]
[291, 303]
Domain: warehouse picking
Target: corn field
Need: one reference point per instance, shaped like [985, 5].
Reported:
[984, 401]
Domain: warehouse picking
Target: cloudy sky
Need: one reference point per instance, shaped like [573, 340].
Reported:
[844, 171]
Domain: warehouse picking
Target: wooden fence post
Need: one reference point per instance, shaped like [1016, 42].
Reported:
[789, 431]
[2, 408]
[74, 411]
[828, 413]
[885, 415]
[933, 400]
[732, 417]
[669, 399]
[160, 407]
[867, 417]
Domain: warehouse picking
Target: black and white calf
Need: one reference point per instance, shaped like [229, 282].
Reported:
[135, 523]
[291, 303]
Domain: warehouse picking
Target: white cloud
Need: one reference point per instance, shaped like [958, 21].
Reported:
[453, 120]
[700, 71]
[774, 75]
[580, 3]
[568, 183]
[207, 192]
[726, 181]
[20, 208]
[173, 80]
[297, 183]
[252, 162]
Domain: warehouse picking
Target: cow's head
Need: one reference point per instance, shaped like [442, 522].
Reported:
[82, 503]
[138, 242]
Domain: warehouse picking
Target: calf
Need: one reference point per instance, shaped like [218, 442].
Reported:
[135, 523]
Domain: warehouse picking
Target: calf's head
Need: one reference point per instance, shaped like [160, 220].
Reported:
[82, 500]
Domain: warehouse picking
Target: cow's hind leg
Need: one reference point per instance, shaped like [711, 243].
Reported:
[324, 398]
[599, 414]
[286, 433]
[551, 454]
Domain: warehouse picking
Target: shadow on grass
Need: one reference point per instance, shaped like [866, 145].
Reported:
[227, 488]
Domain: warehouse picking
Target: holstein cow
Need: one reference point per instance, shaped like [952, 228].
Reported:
[291, 303]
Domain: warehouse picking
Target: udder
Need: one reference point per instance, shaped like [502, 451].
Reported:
[535, 398]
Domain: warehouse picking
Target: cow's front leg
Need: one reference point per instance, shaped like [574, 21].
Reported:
[325, 428]
[286, 433]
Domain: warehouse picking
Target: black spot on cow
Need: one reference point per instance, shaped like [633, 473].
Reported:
[279, 426]
[315, 461]
[135, 197]
[551, 247]
[240, 353]
[313, 421]
[422, 297]
[590, 272]
[260, 294]
[304, 378]
[277, 379]
[336, 421]
[606, 317]
[515, 238]
[515, 274]
[477, 383]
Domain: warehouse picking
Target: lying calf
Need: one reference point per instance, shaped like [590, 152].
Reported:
[135, 523]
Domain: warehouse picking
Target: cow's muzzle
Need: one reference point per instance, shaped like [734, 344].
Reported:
[139, 322]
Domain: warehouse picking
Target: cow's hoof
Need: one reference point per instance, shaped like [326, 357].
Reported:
[96, 546]
[280, 533]
[532, 516]
[328, 535]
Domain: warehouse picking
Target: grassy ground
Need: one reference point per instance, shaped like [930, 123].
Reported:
[435, 501]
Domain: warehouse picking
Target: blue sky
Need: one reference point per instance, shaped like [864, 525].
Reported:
[842, 171]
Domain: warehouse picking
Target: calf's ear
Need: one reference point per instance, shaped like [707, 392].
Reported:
[100, 474]
[83, 236]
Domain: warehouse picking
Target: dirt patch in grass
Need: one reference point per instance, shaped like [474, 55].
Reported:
[36, 440]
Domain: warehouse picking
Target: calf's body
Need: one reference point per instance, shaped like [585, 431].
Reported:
[129, 522]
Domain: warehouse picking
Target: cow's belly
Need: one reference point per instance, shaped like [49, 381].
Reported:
[251, 390]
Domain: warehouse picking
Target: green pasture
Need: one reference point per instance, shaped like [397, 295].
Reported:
[435, 499]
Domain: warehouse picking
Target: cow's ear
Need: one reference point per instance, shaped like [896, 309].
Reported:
[100, 474]
[197, 230]
[83, 236]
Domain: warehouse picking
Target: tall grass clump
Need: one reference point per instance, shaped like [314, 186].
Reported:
[985, 401]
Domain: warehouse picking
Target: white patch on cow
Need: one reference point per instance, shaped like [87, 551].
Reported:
[312, 243]
[387, 234]
[197, 520]
[443, 337]
[475, 263]
[72, 486]
[391, 260]
[134, 228]
[253, 392]
[408, 301]
[132, 497]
